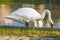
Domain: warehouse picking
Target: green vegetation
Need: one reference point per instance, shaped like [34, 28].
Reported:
[32, 32]
[23, 1]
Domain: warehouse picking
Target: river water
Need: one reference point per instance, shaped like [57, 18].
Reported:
[56, 24]
[47, 38]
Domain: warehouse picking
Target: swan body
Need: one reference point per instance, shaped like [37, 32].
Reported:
[25, 15]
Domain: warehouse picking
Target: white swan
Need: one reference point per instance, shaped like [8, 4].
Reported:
[26, 15]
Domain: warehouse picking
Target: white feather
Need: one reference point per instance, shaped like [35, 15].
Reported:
[29, 14]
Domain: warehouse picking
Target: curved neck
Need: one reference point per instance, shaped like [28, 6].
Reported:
[49, 15]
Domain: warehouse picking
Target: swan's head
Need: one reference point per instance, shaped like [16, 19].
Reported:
[52, 26]
[51, 23]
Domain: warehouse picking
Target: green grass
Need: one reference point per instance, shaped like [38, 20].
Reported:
[32, 32]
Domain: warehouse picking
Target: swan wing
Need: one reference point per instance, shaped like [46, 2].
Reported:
[18, 19]
[29, 13]
[24, 15]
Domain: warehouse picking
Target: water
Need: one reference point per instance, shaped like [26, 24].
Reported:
[17, 24]
[56, 24]
[47, 38]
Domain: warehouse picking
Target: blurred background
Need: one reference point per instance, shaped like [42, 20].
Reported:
[8, 6]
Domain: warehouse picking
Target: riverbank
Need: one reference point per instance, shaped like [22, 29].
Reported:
[31, 32]
[27, 38]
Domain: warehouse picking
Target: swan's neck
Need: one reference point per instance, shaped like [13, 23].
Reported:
[43, 14]
[49, 15]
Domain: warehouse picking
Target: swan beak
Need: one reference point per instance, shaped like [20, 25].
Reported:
[52, 26]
